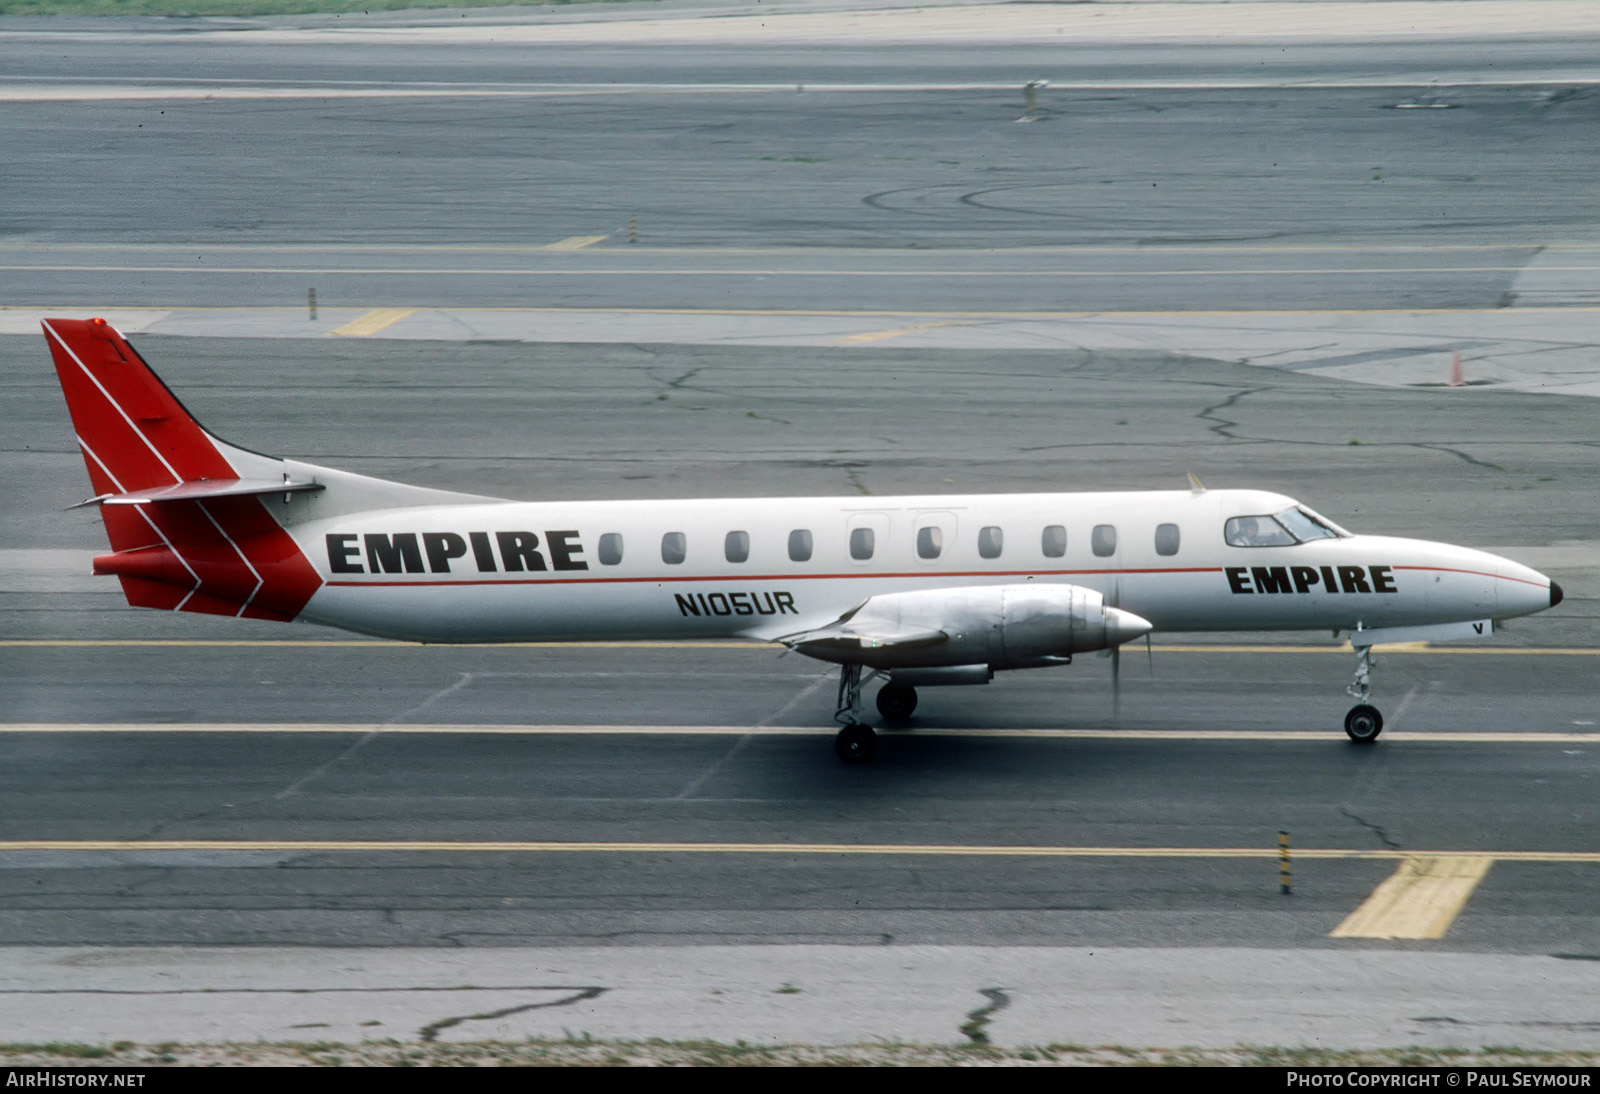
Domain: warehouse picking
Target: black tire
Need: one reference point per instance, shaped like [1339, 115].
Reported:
[856, 744]
[896, 701]
[1363, 724]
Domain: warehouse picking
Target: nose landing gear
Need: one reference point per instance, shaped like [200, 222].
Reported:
[1363, 723]
[856, 742]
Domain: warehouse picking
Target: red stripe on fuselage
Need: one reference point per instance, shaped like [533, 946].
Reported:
[1476, 573]
[675, 579]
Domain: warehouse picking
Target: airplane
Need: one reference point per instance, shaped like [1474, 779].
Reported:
[913, 591]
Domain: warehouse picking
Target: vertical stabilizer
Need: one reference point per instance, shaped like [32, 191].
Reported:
[224, 555]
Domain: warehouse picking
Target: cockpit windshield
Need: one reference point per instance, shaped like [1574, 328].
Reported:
[1292, 526]
[1261, 531]
[1342, 533]
[1305, 526]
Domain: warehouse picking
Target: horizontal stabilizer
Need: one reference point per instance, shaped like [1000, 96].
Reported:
[203, 489]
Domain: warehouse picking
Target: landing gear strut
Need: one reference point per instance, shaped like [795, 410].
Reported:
[1363, 723]
[856, 742]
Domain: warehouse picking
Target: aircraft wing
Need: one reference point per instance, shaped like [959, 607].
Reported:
[843, 637]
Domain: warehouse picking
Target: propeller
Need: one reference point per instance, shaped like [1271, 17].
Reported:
[1116, 656]
[1116, 674]
[1116, 683]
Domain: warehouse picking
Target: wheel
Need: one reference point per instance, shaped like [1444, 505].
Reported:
[897, 701]
[855, 744]
[1363, 724]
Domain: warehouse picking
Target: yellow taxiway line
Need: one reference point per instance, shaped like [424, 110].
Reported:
[1284, 736]
[573, 243]
[522, 248]
[635, 847]
[894, 332]
[372, 322]
[1420, 900]
[1034, 274]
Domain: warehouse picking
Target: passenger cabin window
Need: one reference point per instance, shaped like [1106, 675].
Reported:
[736, 548]
[930, 542]
[674, 548]
[800, 545]
[1103, 540]
[1054, 541]
[610, 552]
[990, 541]
[861, 543]
[1166, 539]
[1260, 531]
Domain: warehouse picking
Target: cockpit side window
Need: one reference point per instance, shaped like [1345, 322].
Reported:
[1261, 531]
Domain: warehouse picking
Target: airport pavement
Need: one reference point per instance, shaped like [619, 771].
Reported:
[167, 763]
[1506, 468]
[1550, 350]
[818, 304]
[827, 995]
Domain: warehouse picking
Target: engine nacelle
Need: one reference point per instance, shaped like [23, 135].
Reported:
[1002, 626]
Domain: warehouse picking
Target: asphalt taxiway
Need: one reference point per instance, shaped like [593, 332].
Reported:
[819, 304]
[303, 787]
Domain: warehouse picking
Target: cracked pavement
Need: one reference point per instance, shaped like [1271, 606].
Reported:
[1209, 998]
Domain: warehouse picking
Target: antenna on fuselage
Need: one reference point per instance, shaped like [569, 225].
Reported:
[1195, 485]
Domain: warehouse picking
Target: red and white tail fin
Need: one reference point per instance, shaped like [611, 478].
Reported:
[197, 524]
[211, 546]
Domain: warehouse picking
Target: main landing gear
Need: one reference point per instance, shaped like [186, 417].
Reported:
[1363, 723]
[896, 701]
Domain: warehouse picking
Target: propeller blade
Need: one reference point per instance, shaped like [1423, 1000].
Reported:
[1150, 656]
[1116, 682]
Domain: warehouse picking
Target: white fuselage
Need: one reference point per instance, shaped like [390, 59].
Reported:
[502, 572]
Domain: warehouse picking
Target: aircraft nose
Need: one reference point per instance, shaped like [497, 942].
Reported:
[1556, 595]
[1122, 626]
